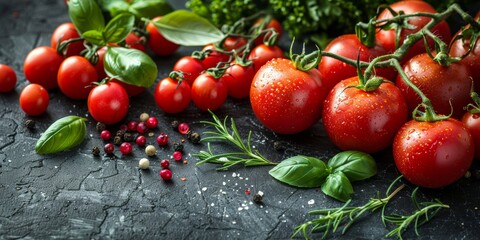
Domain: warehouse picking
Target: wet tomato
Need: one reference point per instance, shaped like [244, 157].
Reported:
[262, 53]
[238, 79]
[172, 96]
[472, 122]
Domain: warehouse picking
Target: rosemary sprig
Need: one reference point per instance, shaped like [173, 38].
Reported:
[246, 155]
[424, 213]
[331, 219]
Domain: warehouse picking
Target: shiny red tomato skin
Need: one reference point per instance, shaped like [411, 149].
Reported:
[172, 96]
[191, 68]
[387, 37]
[8, 78]
[238, 79]
[76, 76]
[348, 45]
[41, 66]
[209, 93]
[363, 121]
[101, 74]
[108, 103]
[134, 41]
[472, 123]
[132, 90]
[275, 24]
[34, 99]
[262, 53]
[285, 99]
[433, 154]
[65, 32]
[213, 57]
[442, 85]
[158, 43]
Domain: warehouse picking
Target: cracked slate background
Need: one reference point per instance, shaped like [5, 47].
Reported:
[73, 195]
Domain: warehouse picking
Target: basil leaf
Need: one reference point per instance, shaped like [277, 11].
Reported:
[300, 171]
[118, 28]
[94, 37]
[188, 29]
[338, 186]
[86, 15]
[114, 7]
[354, 164]
[150, 9]
[131, 66]
[63, 134]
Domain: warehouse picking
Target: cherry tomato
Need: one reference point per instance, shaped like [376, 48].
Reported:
[172, 96]
[8, 78]
[273, 24]
[34, 99]
[285, 99]
[101, 74]
[387, 37]
[363, 121]
[433, 154]
[41, 66]
[157, 43]
[108, 103]
[209, 93]
[132, 90]
[64, 32]
[446, 87]
[75, 77]
[213, 57]
[134, 41]
[348, 45]
[191, 68]
[472, 123]
[238, 79]
[262, 53]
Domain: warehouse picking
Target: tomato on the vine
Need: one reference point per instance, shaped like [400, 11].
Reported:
[360, 120]
[64, 32]
[190, 67]
[209, 93]
[387, 37]
[349, 46]
[99, 67]
[213, 56]
[286, 99]
[134, 41]
[433, 154]
[472, 123]
[238, 79]
[132, 90]
[41, 66]
[8, 78]
[158, 43]
[446, 87]
[172, 96]
[263, 53]
[108, 103]
[75, 77]
[272, 24]
[34, 99]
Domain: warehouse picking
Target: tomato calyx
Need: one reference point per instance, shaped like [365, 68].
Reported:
[366, 33]
[177, 76]
[91, 54]
[474, 108]
[305, 62]
[219, 71]
[442, 56]
[62, 46]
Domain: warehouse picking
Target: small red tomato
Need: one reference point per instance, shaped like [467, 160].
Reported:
[108, 103]
[272, 24]
[64, 32]
[262, 53]
[75, 77]
[8, 78]
[157, 43]
[190, 67]
[172, 96]
[41, 66]
[433, 154]
[99, 65]
[134, 41]
[34, 99]
[132, 90]
[213, 56]
[209, 93]
[238, 79]
[472, 122]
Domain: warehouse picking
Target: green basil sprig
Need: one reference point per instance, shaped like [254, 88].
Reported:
[334, 178]
[63, 134]
[86, 15]
[139, 8]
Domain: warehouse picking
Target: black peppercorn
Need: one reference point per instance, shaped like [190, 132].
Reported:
[117, 140]
[128, 137]
[120, 133]
[278, 146]
[257, 198]
[29, 124]
[101, 126]
[96, 151]
[194, 137]
[178, 147]
[174, 125]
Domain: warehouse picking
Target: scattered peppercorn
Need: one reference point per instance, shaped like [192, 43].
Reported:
[194, 137]
[152, 122]
[128, 137]
[278, 146]
[117, 140]
[105, 135]
[174, 124]
[150, 150]
[177, 155]
[132, 126]
[108, 148]
[144, 117]
[96, 151]
[183, 128]
[101, 126]
[29, 124]
[126, 148]
[185, 161]
[178, 147]
[166, 174]
[124, 127]
[162, 139]
[144, 163]
[141, 127]
[120, 132]
[165, 163]
[258, 198]
[141, 140]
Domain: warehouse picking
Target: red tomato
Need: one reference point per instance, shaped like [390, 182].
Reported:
[8, 78]
[157, 43]
[262, 53]
[101, 74]
[387, 37]
[108, 103]
[363, 121]
[67, 31]
[285, 99]
[442, 85]
[191, 68]
[209, 93]
[34, 99]
[134, 41]
[132, 90]
[433, 154]
[172, 96]
[41, 66]
[472, 122]
[238, 79]
[214, 57]
[273, 24]
[348, 45]
[75, 77]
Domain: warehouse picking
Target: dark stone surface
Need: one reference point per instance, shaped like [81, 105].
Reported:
[73, 195]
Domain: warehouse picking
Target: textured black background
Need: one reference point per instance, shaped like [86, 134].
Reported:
[73, 195]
